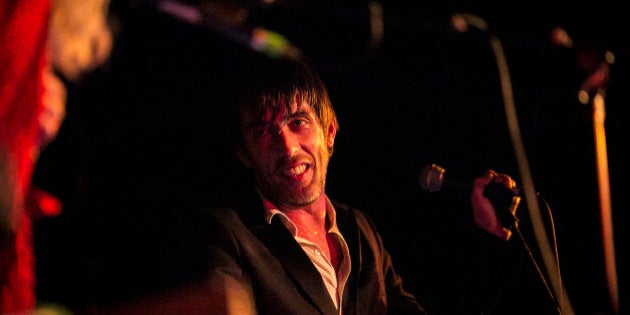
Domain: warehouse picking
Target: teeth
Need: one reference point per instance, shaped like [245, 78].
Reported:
[296, 170]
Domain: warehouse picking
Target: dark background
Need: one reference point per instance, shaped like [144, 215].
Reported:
[143, 142]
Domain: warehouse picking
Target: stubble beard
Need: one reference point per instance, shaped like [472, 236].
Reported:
[283, 194]
[292, 196]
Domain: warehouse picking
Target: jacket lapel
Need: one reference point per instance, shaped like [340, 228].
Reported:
[298, 265]
[346, 223]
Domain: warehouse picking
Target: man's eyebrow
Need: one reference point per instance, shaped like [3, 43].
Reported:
[302, 112]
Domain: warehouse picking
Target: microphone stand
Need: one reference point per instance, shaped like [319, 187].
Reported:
[597, 82]
[461, 22]
[530, 254]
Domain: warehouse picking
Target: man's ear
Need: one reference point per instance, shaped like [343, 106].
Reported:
[330, 135]
[244, 157]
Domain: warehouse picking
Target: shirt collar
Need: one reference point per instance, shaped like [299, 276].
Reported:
[271, 211]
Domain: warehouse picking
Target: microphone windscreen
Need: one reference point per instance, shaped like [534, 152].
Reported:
[431, 177]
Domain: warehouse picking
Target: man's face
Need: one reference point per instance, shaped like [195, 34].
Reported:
[288, 153]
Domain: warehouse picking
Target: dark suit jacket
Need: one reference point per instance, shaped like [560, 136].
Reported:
[266, 259]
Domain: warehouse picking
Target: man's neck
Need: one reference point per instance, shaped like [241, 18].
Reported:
[310, 219]
[311, 223]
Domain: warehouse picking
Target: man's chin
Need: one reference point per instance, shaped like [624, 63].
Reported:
[300, 198]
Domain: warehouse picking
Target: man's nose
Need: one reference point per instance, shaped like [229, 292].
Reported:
[287, 140]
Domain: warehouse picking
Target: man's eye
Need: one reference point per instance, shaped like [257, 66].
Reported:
[299, 123]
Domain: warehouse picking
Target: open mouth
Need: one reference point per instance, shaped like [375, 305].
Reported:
[296, 170]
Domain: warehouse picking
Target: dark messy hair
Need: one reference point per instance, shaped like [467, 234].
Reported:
[277, 82]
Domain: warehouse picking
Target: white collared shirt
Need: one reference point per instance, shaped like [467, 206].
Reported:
[334, 281]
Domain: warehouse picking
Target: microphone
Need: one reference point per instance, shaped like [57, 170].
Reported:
[432, 178]
[461, 22]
